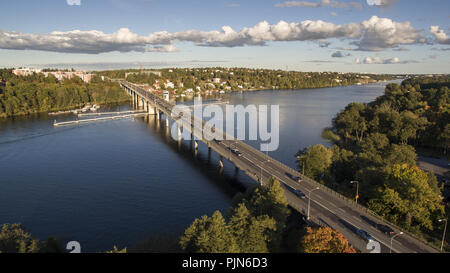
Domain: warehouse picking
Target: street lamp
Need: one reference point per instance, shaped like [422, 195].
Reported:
[309, 201]
[392, 239]
[357, 190]
[445, 230]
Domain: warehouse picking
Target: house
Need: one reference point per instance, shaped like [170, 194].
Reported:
[216, 80]
[169, 84]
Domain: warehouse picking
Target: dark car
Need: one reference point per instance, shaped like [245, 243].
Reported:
[385, 229]
[363, 234]
[300, 194]
[217, 141]
[295, 178]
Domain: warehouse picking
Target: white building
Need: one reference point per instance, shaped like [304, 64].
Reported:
[25, 71]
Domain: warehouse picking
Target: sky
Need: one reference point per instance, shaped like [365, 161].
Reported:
[374, 36]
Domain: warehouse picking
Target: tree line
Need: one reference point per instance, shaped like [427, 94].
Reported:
[37, 93]
[244, 78]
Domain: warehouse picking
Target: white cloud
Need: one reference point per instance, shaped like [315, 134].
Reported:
[440, 35]
[382, 33]
[378, 60]
[371, 35]
[73, 2]
[77, 41]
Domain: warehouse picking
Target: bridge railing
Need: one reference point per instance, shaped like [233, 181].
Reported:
[347, 200]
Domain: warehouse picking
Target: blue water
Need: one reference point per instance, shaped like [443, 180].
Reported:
[117, 182]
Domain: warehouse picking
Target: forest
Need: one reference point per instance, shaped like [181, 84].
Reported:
[37, 93]
[375, 144]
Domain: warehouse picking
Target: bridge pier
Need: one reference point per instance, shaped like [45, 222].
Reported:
[196, 145]
[221, 162]
[158, 115]
[167, 122]
[179, 131]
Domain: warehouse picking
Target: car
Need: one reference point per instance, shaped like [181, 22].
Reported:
[300, 194]
[236, 152]
[295, 178]
[363, 234]
[217, 141]
[385, 229]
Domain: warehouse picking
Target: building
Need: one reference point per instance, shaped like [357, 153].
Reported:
[25, 71]
[62, 75]
[169, 84]
[216, 80]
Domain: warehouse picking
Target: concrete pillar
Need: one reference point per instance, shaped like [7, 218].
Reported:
[196, 144]
[221, 162]
[151, 109]
[167, 122]
[158, 115]
[179, 132]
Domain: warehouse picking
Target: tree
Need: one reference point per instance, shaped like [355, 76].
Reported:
[324, 240]
[116, 250]
[209, 235]
[314, 161]
[14, 239]
[409, 196]
[268, 200]
[351, 122]
[251, 233]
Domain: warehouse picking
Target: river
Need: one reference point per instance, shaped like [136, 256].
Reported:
[117, 182]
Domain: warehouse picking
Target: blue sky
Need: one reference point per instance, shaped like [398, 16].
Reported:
[403, 36]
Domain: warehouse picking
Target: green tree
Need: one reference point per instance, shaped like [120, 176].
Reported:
[252, 234]
[209, 235]
[314, 161]
[409, 196]
[14, 239]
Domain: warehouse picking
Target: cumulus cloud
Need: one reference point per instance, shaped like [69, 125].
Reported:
[440, 36]
[73, 2]
[90, 42]
[382, 33]
[378, 60]
[323, 3]
[371, 35]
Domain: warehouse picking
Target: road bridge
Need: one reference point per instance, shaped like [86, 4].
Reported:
[325, 206]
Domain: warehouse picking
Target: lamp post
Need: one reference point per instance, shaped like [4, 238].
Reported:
[309, 201]
[392, 239]
[357, 190]
[445, 230]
